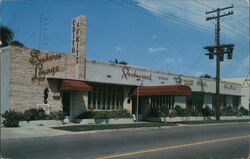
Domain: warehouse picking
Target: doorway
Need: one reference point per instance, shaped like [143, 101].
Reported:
[134, 105]
[66, 103]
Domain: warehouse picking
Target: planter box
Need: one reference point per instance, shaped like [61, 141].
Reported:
[234, 117]
[166, 119]
[38, 123]
[104, 121]
[191, 118]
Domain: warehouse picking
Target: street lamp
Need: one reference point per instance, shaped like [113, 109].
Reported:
[140, 82]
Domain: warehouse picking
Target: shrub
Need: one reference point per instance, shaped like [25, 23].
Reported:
[57, 115]
[154, 112]
[11, 118]
[198, 113]
[104, 114]
[34, 114]
[164, 111]
[172, 113]
[229, 111]
[192, 112]
[122, 114]
[158, 112]
[179, 110]
[86, 115]
[243, 111]
[207, 111]
[189, 112]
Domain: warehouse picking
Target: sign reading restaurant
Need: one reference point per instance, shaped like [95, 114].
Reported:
[38, 61]
[127, 73]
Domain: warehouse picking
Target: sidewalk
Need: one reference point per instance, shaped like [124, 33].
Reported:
[17, 133]
[36, 132]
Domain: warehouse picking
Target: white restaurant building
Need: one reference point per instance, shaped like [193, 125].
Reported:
[34, 78]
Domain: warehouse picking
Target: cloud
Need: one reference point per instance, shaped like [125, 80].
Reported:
[191, 14]
[157, 49]
[117, 48]
[180, 60]
[199, 73]
[244, 67]
[154, 36]
[241, 68]
[246, 61]
[169, 60]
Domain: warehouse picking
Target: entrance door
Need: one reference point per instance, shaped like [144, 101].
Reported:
[134, 105]
[66, 103]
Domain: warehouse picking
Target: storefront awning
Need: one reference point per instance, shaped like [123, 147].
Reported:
[179, 90]
[75, 85]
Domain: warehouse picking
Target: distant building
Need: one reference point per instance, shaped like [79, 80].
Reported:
[245, 92]
[71, 83]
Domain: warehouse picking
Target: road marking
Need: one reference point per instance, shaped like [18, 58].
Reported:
[171, 147]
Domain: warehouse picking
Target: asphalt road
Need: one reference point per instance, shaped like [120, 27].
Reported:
[229, 141]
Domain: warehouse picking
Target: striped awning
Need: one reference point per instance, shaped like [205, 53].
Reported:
[74, 85]
[179, 90]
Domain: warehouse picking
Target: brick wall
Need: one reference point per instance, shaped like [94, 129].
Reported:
[25, 93]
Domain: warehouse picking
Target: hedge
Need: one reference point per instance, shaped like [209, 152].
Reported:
[12, 117]
[105, 114]
[206, 111]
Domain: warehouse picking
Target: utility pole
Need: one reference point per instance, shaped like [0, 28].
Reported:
[219, 51]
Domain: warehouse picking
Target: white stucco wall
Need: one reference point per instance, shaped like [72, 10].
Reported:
[107, 72]
[245, 93]
[78, 103]
[4, 76]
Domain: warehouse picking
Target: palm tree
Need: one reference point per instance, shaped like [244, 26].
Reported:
[6, 35]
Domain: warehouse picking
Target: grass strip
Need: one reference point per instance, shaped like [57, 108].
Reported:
[214, 121]
[112, 126]
[140, 125]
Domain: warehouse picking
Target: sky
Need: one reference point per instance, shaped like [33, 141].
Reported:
[164, 35]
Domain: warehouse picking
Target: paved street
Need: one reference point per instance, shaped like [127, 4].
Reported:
[229, 141]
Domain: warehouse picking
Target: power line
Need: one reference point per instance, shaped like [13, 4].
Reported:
[195, 63]
[194, 13]
[225, 27]
[231, 31]
[168, 16]
[164, 19]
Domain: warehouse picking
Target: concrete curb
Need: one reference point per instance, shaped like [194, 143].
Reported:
[50, 132]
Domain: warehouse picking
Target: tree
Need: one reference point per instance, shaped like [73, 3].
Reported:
[6, 35]
[118, 62]
[123, 63]
[206, 76]
[16, 43]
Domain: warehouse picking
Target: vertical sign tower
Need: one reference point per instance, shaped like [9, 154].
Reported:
[78, 45]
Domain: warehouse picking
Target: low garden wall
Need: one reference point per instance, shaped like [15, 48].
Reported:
[234, 117]
[199, 118]
[39, 123]
[104, 121]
